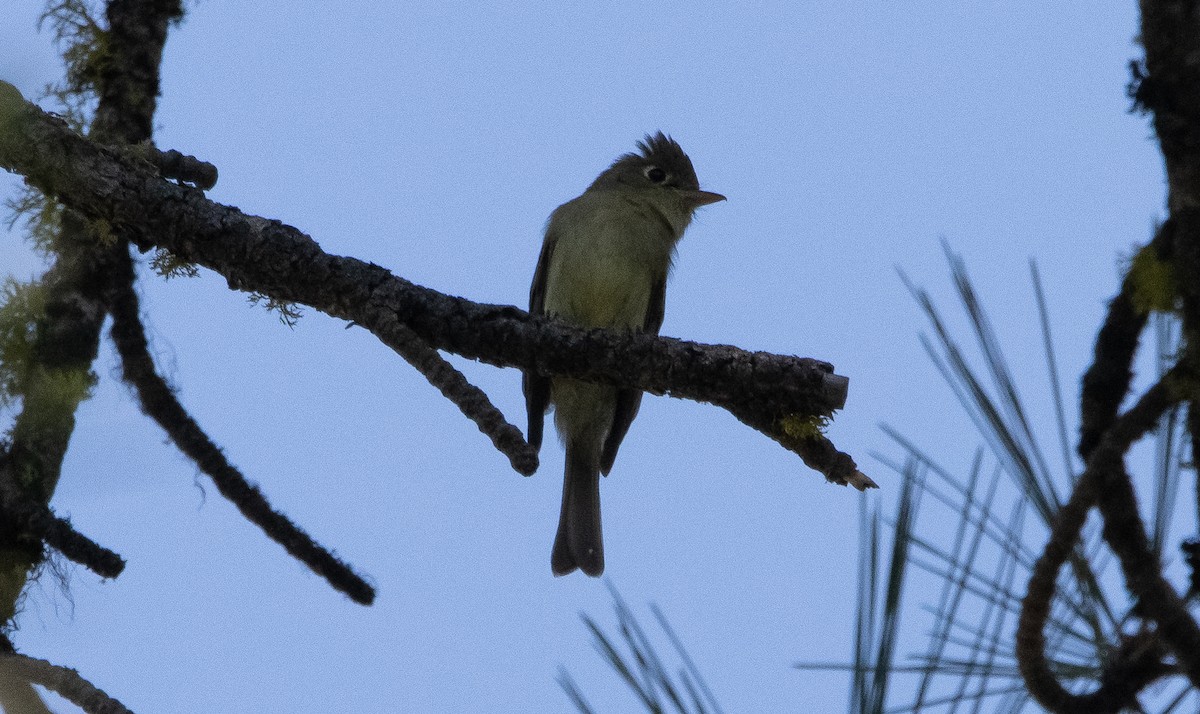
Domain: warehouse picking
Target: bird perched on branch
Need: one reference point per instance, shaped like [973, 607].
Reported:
[604, 263]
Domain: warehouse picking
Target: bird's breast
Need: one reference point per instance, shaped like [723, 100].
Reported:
[605, 263]
[604, 298]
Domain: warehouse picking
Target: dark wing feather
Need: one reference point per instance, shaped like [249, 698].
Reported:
[536, 386]
[657, 307]
[629, 400]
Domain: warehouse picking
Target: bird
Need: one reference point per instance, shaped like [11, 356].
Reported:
[604, 262]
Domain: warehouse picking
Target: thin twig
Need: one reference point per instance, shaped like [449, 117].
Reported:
[172, 164]
[58, 533]
[470, 399]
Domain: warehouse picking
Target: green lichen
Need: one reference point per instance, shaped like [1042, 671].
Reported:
[804, 427]
[21, 305]
[1153, 282]
[56, 392]
[103, 233]
[51, 397]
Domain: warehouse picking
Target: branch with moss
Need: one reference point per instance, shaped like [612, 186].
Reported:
[52, 378]
[260, 255]
[1107, 380]
[120, 65]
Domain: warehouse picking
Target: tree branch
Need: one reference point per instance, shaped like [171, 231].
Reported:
[817, 452]
[1166, 86]
[1107, 380]
[1105, 481]
[265, 256]
[1156, 598]
[66, 341]
[63, 681]
[160, 404]
[181, 167]
[470, 399]
[67, 333]
[1193, 427]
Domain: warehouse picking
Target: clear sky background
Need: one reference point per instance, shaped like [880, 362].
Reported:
[435, 139]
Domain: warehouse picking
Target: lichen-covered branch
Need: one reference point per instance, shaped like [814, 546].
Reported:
[1193, 426]
[67, 332]
[172, 164]
[1167, 88]
[1107, 380]
[803, 437]
[57, 377]
[1039, 677]
[268, 257]
[1125, 533]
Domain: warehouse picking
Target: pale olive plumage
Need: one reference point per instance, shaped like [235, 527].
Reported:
[604, 263]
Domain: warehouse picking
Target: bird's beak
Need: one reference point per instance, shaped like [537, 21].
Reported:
[703, 198]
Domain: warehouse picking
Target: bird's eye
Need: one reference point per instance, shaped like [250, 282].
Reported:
[655, 174]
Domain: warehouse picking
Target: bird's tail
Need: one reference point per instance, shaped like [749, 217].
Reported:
[579, 543]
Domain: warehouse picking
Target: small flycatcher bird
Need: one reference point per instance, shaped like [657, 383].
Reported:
[604, 263]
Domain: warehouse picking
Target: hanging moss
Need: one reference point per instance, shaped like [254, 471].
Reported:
[42, 217]
[289, 312]
[168, 265]
[21, 306]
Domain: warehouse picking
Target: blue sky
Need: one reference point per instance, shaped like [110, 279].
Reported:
[434, 140]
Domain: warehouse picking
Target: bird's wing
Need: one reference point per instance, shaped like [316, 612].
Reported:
[536, 386]
[628, 400]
